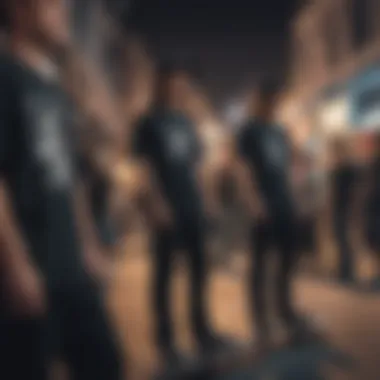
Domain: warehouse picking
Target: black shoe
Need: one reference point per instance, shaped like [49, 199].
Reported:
[213, 344]
[347, 279]
[374, 285]
[173, 358]
[304, 331]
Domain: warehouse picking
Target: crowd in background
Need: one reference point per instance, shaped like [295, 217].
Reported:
[124, 177]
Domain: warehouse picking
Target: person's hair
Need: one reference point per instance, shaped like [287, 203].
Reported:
[166, 70]
[268, 89]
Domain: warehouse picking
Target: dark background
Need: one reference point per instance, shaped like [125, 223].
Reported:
[232, 42]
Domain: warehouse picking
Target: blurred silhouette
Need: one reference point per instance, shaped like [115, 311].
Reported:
[167, 140]
[54, 307]
[372, 209]
[342, 183]
[307, 201]
[266, 153]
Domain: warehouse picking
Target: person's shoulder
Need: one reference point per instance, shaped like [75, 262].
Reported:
[10, 74]
[279, 129]
[9, 69]
[144, 121]
[246, 128]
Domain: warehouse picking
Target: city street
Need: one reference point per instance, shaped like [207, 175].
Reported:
[350, 318]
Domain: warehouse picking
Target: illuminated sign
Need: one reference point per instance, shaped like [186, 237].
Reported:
[365, 98]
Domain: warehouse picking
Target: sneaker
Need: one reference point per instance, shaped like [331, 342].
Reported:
[374, 285]
[173, 358]
[214, 344]
[347, 280]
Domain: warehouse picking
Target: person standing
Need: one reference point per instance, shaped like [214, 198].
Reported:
[166, 139]
[308, 200]
[263, 169]
[372, 209]
[343, 181]
[48, 232]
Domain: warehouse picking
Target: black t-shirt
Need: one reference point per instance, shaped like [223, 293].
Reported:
[98, 190]
[266, 150]
[38, 160]
[168, 141]
[373, 181]
[343, 180]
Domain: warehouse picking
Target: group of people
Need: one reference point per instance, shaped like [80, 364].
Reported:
[60, 158]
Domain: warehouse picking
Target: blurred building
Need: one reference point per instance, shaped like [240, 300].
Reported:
[334, 80]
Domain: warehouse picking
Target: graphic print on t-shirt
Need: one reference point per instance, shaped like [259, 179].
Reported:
[50, 146]
[275, 151]
[179, 145]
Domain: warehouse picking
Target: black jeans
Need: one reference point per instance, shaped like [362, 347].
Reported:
[190, 237]
[76, 328]
[342, 238]
[22, 350]
[279, 234]
[307, 239]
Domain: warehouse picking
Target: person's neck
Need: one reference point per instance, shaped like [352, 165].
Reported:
[170, 106]
[35, 57]
[263, 118]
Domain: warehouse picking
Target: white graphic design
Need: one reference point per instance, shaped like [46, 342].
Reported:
[51, 151]
[275, 152]
[179, 145]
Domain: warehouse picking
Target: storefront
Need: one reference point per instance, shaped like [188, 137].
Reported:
[365, 108]
[365, 100]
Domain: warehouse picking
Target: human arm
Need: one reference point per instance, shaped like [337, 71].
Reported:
[22, 284]
[95, 258]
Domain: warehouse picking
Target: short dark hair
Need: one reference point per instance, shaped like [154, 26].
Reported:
[168, 69]
[268, 88]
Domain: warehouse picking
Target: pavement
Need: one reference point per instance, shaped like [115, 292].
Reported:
[350, 318]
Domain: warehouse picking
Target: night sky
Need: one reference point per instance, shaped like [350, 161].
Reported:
[230, 41]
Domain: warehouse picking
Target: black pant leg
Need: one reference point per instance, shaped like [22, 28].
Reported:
[344, 246]
[285, 230]
[261, 240]
[194, 239]
[23, 355]
[89, 343]
[163, 257]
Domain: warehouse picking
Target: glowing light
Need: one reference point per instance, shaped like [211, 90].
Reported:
[333, 116]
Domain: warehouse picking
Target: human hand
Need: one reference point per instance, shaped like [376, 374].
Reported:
[24, 290]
